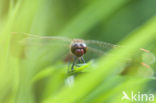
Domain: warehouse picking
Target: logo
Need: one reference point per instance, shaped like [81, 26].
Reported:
[137, 96]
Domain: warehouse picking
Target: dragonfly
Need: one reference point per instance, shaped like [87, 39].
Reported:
[78, 48]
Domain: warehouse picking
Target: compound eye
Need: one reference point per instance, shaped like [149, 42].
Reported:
[74, 45]
[83, 45]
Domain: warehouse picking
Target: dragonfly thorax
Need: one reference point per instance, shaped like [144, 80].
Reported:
[78, 49]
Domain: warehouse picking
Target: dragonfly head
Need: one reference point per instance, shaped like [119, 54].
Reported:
[78, 49]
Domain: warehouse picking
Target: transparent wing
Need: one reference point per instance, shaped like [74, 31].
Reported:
[147, 56]
[48, 47]
[147, 59]
[35, 39]
[139, 64]
[99, 45]
[97, 49]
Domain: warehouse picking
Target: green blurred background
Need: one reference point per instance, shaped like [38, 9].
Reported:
[37, 75]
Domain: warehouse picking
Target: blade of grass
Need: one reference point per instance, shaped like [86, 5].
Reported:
[89, 17]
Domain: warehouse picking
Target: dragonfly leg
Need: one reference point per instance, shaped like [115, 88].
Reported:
[68, 67]
[75, 59]
[79, 60]
[83, 59]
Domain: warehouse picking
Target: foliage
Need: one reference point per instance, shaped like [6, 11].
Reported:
[30, 74]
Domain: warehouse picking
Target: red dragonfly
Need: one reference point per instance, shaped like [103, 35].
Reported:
[79, 48]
